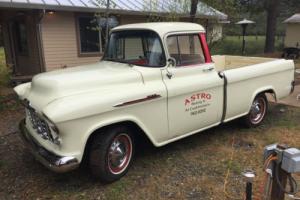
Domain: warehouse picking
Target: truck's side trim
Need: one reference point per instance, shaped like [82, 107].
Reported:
[223, 76]
[148, 98]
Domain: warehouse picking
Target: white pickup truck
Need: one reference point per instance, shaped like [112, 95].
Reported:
[155, 79]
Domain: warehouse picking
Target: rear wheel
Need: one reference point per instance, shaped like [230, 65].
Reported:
[111, 154]
[257, 111]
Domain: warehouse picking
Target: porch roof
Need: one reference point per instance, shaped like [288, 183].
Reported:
[141, 7]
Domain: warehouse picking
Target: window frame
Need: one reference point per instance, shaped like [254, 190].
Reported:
[207, 57]
[78, 39]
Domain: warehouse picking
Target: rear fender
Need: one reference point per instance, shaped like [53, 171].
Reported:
[266, 89]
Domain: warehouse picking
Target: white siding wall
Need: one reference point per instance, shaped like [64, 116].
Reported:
[292, 36]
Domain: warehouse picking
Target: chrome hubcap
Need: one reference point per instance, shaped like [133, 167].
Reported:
[258, 109]
[119, 154]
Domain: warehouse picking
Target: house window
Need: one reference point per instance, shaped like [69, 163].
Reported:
[186, 49]
[89, 36]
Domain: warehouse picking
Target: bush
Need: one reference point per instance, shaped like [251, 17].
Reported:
[232, 45]
[4, 73]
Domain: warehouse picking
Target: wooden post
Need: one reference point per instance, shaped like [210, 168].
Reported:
[276, 192]
[107, 17]
[244, 26]
[249, 191]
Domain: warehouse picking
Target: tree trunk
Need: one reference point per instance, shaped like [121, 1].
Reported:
[272, 7]
[194, 5]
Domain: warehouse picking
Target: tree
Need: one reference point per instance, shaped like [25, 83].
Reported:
[193, 10]
[277, 9]
[272, 9]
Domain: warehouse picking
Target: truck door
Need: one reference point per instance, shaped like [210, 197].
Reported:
[195, 90]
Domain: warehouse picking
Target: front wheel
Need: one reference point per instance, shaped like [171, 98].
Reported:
[111, 154]
[257, 112]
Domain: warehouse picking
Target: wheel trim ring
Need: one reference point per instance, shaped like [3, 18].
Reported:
[126, 141]
[258, 117]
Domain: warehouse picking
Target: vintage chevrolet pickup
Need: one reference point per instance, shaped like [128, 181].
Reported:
[155, 79]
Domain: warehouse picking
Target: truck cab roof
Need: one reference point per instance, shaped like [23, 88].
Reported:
[162, 28]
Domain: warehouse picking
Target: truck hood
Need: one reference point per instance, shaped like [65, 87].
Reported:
[102, 76]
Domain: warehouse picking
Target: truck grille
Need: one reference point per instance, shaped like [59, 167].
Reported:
[39, 124]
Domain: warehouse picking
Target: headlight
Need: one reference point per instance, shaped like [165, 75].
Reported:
[39, 125]
[53, 129]
[51, 124]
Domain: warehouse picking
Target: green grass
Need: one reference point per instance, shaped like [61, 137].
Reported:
[232, 45]
[4, 72]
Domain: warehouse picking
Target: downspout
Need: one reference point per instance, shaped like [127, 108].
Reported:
[40, 41]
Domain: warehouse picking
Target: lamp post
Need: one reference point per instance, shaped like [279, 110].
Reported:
[244, 23]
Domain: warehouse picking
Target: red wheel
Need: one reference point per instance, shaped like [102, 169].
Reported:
[111, 153]
[119, 154]
[257, 112]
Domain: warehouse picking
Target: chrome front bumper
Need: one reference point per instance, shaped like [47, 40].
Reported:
[52, 161]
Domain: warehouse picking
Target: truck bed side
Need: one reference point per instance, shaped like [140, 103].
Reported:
[244, 83]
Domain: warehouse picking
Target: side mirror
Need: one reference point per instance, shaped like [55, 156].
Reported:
[172, 62]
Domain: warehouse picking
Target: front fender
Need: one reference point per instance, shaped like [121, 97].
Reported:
[117, 120]
[79, 116]
[22, 90]
[75, 133]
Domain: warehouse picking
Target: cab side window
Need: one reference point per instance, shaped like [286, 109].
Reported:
[186, 49]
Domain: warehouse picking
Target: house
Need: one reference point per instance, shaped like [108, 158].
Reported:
[44, 35]
[292, 34]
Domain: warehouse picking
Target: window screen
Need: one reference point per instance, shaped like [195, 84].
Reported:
[186, 49]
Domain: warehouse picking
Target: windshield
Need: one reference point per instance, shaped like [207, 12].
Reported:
[137, 47]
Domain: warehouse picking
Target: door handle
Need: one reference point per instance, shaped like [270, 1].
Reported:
[208, 69]
[169, 75]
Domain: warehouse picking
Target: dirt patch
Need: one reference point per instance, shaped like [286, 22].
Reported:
[192, 168]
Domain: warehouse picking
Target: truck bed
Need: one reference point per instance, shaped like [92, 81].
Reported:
[246, 76]
[223, 63]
